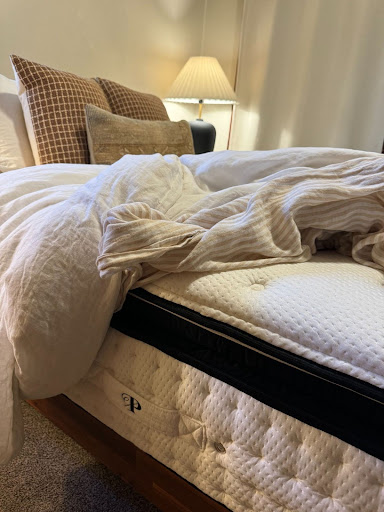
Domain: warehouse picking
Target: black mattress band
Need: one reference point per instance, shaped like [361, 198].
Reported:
[339, 404]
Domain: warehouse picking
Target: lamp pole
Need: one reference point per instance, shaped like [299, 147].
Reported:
[200, 108]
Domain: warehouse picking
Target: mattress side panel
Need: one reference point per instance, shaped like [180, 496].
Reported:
[236, 449]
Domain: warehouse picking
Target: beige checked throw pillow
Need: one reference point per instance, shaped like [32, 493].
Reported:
[53, 105]
[128, 103]
[111, 136]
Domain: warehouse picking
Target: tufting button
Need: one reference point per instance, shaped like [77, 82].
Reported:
[297, 440]
[219, 447]
[205, 391]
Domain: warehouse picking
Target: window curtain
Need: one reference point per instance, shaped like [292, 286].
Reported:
[310, 73]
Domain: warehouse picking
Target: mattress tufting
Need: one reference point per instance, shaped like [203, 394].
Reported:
[236, 449]
[328, 310]
[322, 318]
[306, 339]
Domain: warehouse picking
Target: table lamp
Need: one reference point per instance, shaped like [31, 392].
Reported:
[202, 80]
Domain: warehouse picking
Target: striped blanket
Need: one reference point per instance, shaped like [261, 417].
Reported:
[283, 218]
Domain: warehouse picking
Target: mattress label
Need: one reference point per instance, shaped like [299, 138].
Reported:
[168, 421]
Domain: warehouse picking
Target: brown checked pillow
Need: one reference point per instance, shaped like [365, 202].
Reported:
[111, 136]
[128, 103]
[53, 105]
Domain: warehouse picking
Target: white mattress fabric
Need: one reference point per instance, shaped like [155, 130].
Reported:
[328, 310]
[54, 307]
[234, 448]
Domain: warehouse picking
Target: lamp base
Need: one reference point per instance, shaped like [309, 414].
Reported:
[204, 136]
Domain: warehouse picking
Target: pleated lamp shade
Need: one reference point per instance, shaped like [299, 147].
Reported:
[202, 79]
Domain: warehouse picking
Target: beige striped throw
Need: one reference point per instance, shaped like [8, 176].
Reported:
[279, 219]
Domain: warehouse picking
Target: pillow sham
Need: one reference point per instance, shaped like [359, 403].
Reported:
[53, 104]
[15, 150]
[128, 103]
[111, 136]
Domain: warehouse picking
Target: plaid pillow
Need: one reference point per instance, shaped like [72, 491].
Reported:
[128, 103]
[53, 104]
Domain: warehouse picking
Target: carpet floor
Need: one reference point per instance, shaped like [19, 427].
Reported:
[54, 474]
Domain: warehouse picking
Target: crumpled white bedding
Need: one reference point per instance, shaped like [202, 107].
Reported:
[282, 218]
[54, 307]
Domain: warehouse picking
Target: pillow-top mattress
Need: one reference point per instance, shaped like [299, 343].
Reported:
[306, 339]
[236, 449]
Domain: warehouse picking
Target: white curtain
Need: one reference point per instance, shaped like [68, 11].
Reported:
[311, 73]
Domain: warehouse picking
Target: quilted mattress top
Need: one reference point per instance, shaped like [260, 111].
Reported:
[328, 310]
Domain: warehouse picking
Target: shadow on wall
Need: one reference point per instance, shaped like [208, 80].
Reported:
[313, 74]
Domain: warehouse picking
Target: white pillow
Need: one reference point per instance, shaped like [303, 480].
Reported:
[15, 150]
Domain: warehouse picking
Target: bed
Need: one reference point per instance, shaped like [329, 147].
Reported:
[232, 440]
[209, 326]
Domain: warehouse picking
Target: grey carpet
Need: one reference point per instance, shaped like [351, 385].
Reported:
[54, 474]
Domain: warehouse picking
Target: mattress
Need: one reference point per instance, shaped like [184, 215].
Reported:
[306, 339]
[262, 387]
[241, 452]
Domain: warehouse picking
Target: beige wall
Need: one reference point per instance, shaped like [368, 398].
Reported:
[311, 73]
[140, 43]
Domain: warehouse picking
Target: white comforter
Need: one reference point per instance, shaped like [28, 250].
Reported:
[54, 307]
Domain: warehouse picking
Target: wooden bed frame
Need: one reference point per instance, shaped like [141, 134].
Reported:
[161, 486]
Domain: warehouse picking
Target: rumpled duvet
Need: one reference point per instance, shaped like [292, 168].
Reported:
[74, 239]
